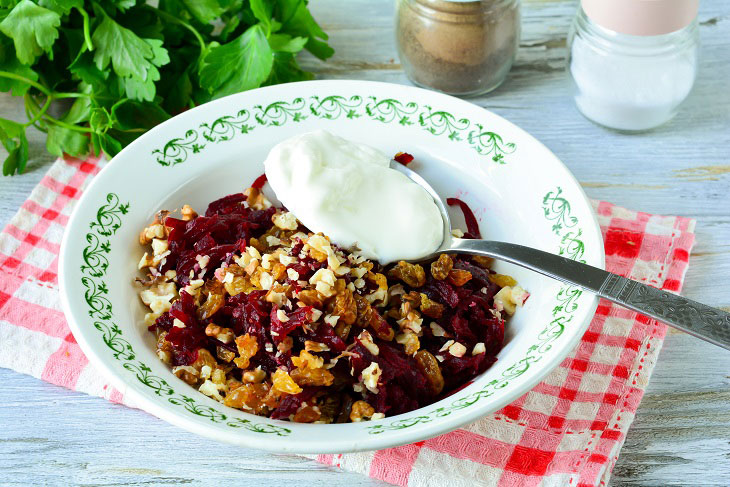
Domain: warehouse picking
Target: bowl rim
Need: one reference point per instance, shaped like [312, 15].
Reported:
[322, 445]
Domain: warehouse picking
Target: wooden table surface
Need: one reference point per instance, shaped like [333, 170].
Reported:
[681, 435]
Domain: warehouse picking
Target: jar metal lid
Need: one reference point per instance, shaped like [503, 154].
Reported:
[641, 17]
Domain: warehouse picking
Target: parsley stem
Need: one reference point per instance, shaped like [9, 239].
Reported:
[189, 27]
[37, 116]
[49, 119]
[34, 84]
[87, 35]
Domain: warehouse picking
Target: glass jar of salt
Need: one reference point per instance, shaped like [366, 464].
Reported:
[633, 62]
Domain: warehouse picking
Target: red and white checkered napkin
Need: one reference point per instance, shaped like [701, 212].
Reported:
[566, 431]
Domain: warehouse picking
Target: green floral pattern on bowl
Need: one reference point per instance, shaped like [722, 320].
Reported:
[335, 107]
[517, 187]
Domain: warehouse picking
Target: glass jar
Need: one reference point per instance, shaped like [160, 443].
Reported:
[632, 81]
[457, 47]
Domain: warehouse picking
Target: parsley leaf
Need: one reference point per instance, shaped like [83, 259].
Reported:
[12, 136]
[61, 140]
[204, 10]
[287, 43]
[239, 65]
[128, 64]
[130, 55]
[33, 29]
[299, 21]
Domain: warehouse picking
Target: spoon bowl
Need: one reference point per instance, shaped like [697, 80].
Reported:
[702, 321]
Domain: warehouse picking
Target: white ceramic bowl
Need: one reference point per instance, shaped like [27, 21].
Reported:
[518, 189]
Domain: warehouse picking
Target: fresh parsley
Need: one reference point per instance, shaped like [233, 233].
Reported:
[95, 75]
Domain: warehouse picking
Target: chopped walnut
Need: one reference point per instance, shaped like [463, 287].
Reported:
[254, 376]
[285, 220]
[225, 335]
[361, 410]
[410, 342]
[188, 213]
[256, 199]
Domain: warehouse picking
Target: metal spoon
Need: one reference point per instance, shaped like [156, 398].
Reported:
[710, 324]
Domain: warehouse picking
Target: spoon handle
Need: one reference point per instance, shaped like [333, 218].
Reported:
[690, 316]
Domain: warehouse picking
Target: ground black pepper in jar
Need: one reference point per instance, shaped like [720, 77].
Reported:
[457, 47]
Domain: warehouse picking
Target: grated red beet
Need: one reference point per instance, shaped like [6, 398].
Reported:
[291, 403]
[259, 182]
[185, 344]
[227, 204]
[280, 329]
[472, 227]
[164, 322]
[404, 158]
[224, 230]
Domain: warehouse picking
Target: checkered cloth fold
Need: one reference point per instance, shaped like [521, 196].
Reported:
[568, 430]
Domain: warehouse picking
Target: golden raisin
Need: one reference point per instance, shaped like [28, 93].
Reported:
[345, 307]
[329, 406]
[428, 364]
[411, 274]
[345, 409]
[247, 346]
[186, 376]
[204, 358]
[459, 277]
[342, 330]
[311, 297]
[259, 245]
[317, 255]
[278, 272]
[307, 414]
[368, 317]
[224, 354]
[441, 267]
[239, 284]
[312, 377]
[501, 280]
[284, 383]
[210, 306]
[482, 261]
[272, 399]
[307, 360]
[361, 410]
[431, 308]
[248, 397]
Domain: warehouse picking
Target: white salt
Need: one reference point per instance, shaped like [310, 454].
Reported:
[628, 90]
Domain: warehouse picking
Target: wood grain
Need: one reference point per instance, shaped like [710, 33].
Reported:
[681, 435]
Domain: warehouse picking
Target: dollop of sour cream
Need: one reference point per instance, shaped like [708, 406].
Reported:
[347, 191]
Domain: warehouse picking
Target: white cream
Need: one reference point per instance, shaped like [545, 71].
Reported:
[347, 191]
